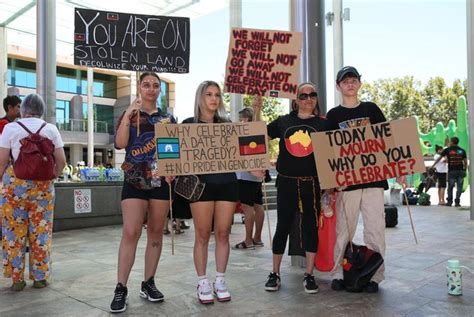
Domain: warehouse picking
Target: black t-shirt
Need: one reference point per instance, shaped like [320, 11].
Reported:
[296, 151]
[222, 178]
[364, 114]
[456, 156]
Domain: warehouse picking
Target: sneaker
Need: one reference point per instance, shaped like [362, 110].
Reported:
[309, 284]
[204, 292]
[372, 287]
[40, 284]
[273, 282]
[150, 292]
[119, 303]
[221, 292]
[338, 285]
[457, 205]
[18, 286]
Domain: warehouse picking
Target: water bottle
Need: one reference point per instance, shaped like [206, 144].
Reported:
[155, 178]
[454, 274]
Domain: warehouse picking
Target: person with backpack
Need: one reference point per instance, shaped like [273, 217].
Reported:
[36, 150]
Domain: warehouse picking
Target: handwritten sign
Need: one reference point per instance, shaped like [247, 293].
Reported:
[368, 153]
[263, 62]
[82, 201]
[134, 42]
[211, 148]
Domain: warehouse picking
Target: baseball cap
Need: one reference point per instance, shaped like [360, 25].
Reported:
[346, 70]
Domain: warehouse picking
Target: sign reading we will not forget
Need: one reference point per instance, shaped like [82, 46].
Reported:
[263, 62]
[211, 148]
[367, 153]
[134, 42]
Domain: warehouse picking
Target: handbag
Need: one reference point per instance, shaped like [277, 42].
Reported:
[189, 187]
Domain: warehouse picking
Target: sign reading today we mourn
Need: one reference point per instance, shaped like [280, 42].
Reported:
[134, 42]
[367, 153]
[211, 148]
[263, 62]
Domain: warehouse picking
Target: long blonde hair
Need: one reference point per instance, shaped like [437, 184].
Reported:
[221, 114]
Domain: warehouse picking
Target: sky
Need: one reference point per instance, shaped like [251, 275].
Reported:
[383, 39]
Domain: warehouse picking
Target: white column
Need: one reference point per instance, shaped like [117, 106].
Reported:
[3, 66]
[470, 95]
[338, 45]
[46, 56]
[236, 100]
[90, 117]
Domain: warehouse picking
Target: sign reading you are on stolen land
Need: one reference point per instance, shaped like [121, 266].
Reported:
[368, 153]
[211, 148]
[134, 42]
[263, 62]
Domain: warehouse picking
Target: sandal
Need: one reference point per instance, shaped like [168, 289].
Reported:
[242, 245]
[178, 231]
[258, 243]
[166, 231]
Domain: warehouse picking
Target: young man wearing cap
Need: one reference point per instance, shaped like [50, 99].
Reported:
[366, 199]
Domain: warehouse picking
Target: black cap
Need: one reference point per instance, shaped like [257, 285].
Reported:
[346, 70]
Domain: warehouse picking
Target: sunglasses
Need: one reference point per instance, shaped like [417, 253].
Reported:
[304, 96]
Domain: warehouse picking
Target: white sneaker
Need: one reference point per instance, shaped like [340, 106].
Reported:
[204, 293]
[221, 292]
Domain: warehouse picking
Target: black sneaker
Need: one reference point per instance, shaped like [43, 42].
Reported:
[372, 287]
[338, 285]
[273, 283]
[309, 284]
[119, 303]
[150, 292]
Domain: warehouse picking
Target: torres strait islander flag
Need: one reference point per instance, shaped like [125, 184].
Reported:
[254, 144]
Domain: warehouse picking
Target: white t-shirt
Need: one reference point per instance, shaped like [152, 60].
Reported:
[442, 165]
[13, 133]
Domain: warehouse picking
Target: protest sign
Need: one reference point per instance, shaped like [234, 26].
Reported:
[367, 153]
[134, 42]
[263, 62]
[211, 148]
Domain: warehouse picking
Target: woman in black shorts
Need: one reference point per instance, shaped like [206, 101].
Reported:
[298, 192]
[217, 203]
[141, 192]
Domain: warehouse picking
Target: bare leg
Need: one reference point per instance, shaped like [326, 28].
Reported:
[224, 211]
[202, 212]
[259, 219]
[249, 221]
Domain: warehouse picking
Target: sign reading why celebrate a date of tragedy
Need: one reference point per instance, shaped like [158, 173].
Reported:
[211, 148]
[263, 62]
[134, 42]
[367, 153]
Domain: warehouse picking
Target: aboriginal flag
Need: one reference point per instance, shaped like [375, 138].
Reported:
[251, 145]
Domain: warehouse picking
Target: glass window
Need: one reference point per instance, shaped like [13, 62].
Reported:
[103, 118]
[162, 102]
[62, 111]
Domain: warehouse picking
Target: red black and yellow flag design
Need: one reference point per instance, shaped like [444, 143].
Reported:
[251, 145]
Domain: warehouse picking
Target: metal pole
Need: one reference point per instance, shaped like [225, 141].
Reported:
[338, 44]
[90, 117]
[3, 65]
[236, 100]
[470, 94]
[46, 56]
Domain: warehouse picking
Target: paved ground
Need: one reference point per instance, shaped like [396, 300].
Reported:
[85, 272]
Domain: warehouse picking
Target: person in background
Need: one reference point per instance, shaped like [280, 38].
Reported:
[457, 168]
[142, 193]
[217, 203]
[441, 172]
[11, 105]
[28, 204]
[298, 192]
[250, 196]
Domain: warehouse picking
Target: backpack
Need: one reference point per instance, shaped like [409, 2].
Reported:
[424, 199]
[36, 160]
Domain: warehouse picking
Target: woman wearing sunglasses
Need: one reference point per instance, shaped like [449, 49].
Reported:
[298, 192]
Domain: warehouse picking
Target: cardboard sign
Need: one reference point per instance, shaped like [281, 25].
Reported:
[368, 153]
[211, 148]
[134, 42]
[263, 62]
[82, 201]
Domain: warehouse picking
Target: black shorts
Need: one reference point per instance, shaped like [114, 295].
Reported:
[441, 177]
[220, 192]
[160, 193]
[250, 193]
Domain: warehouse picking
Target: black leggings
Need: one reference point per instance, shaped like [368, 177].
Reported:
[287, 210]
